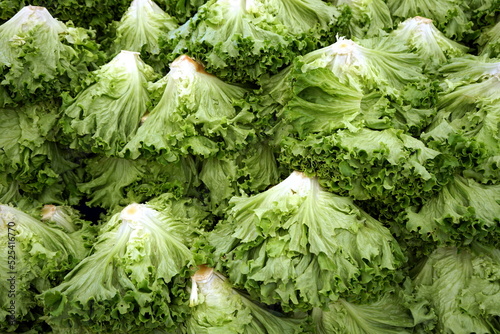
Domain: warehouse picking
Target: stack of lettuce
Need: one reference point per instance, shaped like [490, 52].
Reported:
[250, 166]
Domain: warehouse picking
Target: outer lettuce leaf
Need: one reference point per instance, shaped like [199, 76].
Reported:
[70, 220]
[41, 56]
[462, 288]
[466, 124]
[488, 41]
[90, 14]
[466, 70]
[29, 160]
[449, 15]
[370, 64]
[312, 22]
[104, 116]
[423, 38]
[369, 17]
[39, 256]
[218, 308]
[140, 29]
[387, 315]
[250, 171]
[240, 40]
[197, 114]
[134, 279]
[322, 104]
[317, 102]
[471, 134]
[301, 247]
[387, 166]
[236, 40]
[484, 13]
[462, 212]
[115, 182]
[181, 10]
[487, 172]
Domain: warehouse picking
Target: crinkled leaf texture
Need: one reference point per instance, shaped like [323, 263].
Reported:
[115, 182]
[387, 315]
[218, 308]
[197, 114]
[368, 65]
[369, 17]
[301, 246]
[422, 37]
[388, 166]
[41, 56]
[105, 115]
[37, 256]
[462, 287]
[250, 170]
[134, 279]
[462, 212]
[237, 40]
[28, 160]
[449, 15]
[141, 28]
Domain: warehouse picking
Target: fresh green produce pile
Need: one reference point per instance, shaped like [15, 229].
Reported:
[250, 166]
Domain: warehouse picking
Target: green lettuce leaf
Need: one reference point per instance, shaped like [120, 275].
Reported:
[116, 182]
[300, 246]
[466, 124]
[37, 256]
[451, 16]
[218, 308]
[41, 57]
[488, 41]
[30, 164]
[369, 17]
[386, 166]
[133, 281]
[422, 37]
[239, 40]
[140, 29]
[463, 211]
[104, 116]
[181, 10]
[197, 114]
[388, 315]
[369, 64]
[250, 170]
[462, 288]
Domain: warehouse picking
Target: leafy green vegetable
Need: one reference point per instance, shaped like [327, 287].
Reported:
[116, 182]
[37, 256]
[462, 288]
[371, 64]
[250, 170]
[137, 266]
[41, 57]
[387, 166]
[30, 162]
[301, 246]
[449, 15]
[181, 10]
[462, 212]
[423, 38]
[141, 28]
[369, 17]
[386, 315]
[103, 117]
[466, 124]
[197, 114]
[240, 40]
[218, 307]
